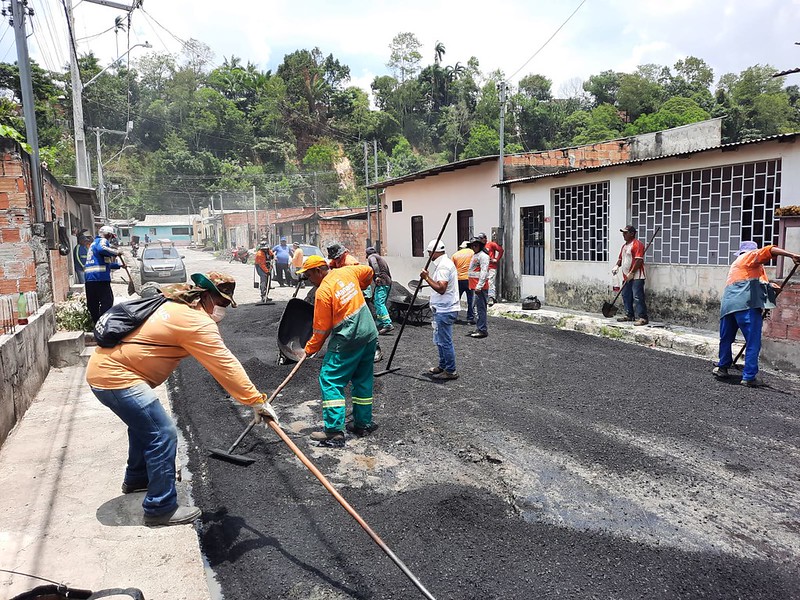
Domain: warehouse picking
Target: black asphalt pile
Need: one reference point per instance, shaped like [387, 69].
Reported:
[557, 466]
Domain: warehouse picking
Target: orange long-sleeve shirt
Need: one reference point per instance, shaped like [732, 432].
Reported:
[341, 311]
[152, 352]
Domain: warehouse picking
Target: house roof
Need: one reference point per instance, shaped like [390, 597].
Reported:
[84, 195]
[165, 220]
[781, 137]
[453, 166]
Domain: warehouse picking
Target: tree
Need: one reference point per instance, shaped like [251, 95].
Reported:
[537, 87]
[603, 123]
[439, 51]
[639, 94]
[404, 56]
[483, 141]
[673, 113]
[603, 87]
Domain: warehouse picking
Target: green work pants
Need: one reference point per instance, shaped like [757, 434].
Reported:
[339, 369]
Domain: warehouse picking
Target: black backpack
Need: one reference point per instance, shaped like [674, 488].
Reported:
[121, 319]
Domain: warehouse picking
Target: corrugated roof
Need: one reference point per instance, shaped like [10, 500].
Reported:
[454, 166]
[781, 137]
[165, 220]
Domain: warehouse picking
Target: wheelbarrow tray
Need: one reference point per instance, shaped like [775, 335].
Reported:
[295, 329]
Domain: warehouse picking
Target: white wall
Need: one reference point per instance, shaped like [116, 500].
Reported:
[707, 280]
[433, 197]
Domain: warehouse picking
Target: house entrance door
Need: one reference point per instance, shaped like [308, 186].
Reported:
[533, 240]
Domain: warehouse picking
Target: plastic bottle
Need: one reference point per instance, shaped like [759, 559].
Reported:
[22, 309]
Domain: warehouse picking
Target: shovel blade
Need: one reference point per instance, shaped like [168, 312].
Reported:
[609, 310]
[228, 457]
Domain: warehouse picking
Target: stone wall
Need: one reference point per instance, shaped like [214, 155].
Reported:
[24, 364]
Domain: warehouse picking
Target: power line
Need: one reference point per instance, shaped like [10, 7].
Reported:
[548, 40]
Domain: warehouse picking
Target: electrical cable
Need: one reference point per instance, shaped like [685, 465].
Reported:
[548, 40]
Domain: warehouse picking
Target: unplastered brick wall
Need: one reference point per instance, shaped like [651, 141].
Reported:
[784, 321]
[17, 265]
[55, 208]
[592, 155]
[244, 219]
[351, 233]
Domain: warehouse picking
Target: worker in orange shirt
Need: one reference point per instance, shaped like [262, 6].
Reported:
[297, 262]
[122, 379]
[461, 260]
[341, 314]
[264, 258]
[495, 252]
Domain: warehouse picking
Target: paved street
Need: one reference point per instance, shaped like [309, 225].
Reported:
[559, 465]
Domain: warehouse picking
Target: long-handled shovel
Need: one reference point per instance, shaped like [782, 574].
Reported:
[375, 538]
[131, 286]
[785, 281]
[246, 460]
[389, 368]
[609, 309]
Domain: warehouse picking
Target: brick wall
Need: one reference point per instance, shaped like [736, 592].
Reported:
[784, 321]
[593, 155]
[25, 262]
[351, 233]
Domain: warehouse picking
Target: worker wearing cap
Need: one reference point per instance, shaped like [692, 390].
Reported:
[283, 255]
[495, 253]
[631, 261]
[122, 378]
[342, 316]
[101, 259]
[339, 256]
[79, 256]
[383, 285]
[264, 258]
[479, 284]
[461, 260]
[748, 293]
[297, 262]
[443, 279]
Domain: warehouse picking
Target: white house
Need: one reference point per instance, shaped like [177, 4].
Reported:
[565, 234]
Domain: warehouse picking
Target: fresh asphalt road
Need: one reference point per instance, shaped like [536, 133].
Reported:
[558, 465]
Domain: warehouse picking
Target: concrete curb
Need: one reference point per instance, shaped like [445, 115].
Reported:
[680, 340]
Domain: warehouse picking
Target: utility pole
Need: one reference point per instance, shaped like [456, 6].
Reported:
[507, 283]
[255, 219]
[18, 13]
[82, 177]
[366, 184]
[377, 193]
[100, 181]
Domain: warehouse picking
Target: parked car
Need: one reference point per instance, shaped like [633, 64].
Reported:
[161, 262]
[308, 250]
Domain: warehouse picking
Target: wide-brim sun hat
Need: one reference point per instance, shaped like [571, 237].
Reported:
[217, 282]
[312, 262]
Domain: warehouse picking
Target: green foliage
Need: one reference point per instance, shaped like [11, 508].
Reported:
[483, 141]
[673, 113]
[73, 315]
[602, 123]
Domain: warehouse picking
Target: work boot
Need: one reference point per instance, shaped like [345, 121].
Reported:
[720, 372]
[752, 383]
[329, 438]
[179, 516]
[640, 322]
[130, 488]
[435, 370]
[386, 329]
[624, 319]
[361, 431]
[446, 375]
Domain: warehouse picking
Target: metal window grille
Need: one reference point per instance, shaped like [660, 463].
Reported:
[532, 240]
[580, 222]
[706, 213]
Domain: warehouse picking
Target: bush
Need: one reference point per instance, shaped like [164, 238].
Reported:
[73, 315]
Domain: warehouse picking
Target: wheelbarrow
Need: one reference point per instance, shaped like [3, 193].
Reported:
[294, 330]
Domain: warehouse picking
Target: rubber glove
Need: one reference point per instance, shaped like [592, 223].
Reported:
[263, 411]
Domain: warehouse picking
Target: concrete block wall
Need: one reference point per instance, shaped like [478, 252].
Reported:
[24, 364]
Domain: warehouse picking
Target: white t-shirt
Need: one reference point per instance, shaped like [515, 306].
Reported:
[443, 269]
[627, 261]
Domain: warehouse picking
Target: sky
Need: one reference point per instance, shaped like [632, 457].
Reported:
[730, 35]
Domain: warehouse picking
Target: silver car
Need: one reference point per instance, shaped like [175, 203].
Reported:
[161, 262]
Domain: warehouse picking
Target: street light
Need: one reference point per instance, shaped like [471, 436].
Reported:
[115, 61]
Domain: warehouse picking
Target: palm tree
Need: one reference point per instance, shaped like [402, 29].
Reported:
[439, 52]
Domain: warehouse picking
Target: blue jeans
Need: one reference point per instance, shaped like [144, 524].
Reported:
[749, 321]
[443, 338]
[463, 287]
[633, 298]
[481, 303]
[152, 444]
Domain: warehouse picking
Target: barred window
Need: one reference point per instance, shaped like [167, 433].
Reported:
[580, 222]
[706, 213]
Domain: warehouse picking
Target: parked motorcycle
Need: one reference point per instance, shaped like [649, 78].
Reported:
[134, 249]
[241, 254]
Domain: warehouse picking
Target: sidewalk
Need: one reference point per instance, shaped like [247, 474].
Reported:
[61, 468]
[64, 517]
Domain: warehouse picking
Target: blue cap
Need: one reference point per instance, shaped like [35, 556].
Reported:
[283, 239]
